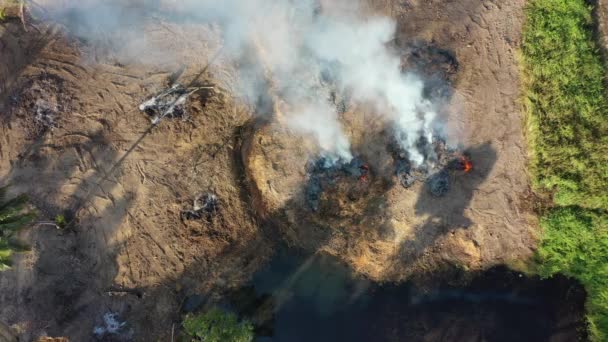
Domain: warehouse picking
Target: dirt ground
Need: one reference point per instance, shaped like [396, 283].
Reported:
[131, 252]
[129, 233]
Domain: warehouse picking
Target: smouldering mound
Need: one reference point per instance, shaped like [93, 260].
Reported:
[358, 210]
[383, 211]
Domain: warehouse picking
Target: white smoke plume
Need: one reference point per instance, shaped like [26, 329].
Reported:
[296, 42]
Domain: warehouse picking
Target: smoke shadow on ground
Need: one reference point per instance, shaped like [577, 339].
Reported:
[445, 214]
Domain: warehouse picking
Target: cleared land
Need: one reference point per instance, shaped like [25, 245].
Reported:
[133, 254]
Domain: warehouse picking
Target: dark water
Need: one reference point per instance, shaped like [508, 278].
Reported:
[297, 298]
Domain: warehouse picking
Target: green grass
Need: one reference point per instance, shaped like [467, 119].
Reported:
[575, 243]
[567, 129]
[566, 98]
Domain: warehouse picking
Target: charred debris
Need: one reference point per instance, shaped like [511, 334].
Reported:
[441, 160]
[169, 103]
[204, 206]
[172, 102]
[324, 174]
[441, 163]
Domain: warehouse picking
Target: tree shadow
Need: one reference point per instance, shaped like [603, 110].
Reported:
[64, 175]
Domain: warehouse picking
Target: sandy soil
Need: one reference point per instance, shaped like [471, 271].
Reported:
[129, 233]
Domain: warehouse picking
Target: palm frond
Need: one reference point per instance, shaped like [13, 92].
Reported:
[15, 223]
[14, 203]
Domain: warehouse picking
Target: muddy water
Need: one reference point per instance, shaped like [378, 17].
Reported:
[300, 298]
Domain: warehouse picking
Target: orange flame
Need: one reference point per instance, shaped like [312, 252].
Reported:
[364, 172]
[466, 164]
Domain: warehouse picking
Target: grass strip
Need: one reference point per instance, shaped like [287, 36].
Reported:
[566, 102]
[575, 243]
[567, 129]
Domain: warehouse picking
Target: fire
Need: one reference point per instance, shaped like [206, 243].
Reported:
[467, 165]
[364, 172]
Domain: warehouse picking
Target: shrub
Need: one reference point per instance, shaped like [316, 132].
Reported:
[60, 221]
[216, 325]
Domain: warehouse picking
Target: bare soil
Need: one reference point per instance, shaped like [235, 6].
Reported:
[129, 234]
[130, 251]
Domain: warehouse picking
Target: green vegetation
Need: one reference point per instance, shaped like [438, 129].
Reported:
[575, 243]
[565, 99]
[13, 216]
[216, 325]
[60, 221]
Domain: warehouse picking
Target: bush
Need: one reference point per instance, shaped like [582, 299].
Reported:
[60, 221]
[216, 325]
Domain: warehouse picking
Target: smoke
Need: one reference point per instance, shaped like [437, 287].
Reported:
[302, 57]
[372, 73]
[319, 120]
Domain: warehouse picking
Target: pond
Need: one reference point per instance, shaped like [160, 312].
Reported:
[316, 298]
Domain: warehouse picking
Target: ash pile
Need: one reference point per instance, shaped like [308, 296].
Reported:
[169, 103]
[42, 101]
[324, 176]
[45, 114]
[440, 162]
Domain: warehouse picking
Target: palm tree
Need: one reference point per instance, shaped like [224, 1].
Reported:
[14, 215]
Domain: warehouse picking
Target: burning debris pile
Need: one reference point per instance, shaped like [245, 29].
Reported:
[168, 103]
[440, 159]
[205, 205]
[46, 114]
[324, 175]
[327, 177]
